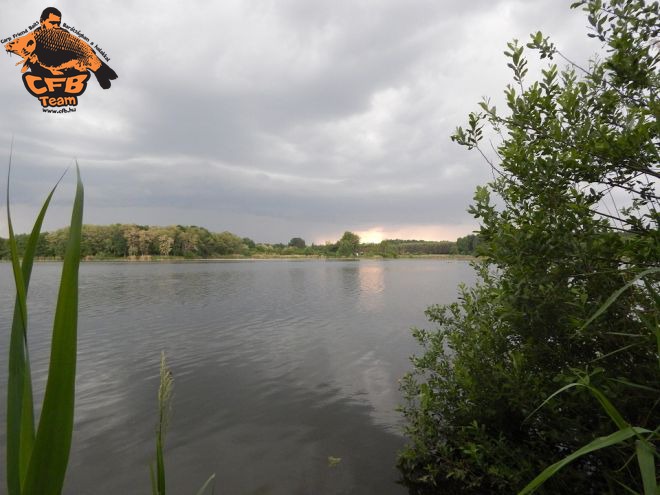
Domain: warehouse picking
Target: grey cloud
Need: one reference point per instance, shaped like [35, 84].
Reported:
[276, 118]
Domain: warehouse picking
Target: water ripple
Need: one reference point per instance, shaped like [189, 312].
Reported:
[276, 365]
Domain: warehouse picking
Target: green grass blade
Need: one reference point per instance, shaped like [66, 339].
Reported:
[164, 407]
[552, 396]
[616, 295]
[626, 488]
[597, 444]
[16, 385]
[20, 406]
[50, 454]
[609, 408]
[635, 385]
[160, 466]
[152, 477]
[646, 461]
[208, 482]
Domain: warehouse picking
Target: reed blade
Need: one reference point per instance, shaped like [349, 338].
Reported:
[646, 460]
[17, 365]
[597, 444]
[164, 409]
[50, 454]
[20, 405]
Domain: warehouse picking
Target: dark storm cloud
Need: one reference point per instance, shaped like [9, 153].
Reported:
[261, 116]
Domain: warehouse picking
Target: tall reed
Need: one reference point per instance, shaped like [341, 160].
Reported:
[165, 391]
[37, 460]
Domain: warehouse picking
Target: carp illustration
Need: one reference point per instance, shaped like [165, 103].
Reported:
[57, 51]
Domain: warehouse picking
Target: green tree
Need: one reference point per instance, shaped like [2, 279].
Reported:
[467, 244]
[389, 249]
[297, 242]
[228, 243]
[115, 242]
[249, 243]
[555, 250]
[348, 245]
[189, 242]
[131, 235]
[57, 241]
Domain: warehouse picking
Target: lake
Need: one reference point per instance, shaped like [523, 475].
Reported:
[278, 365]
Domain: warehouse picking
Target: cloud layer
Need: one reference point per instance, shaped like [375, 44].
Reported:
[275, 119]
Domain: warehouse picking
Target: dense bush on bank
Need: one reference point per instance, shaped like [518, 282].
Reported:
[567, 297]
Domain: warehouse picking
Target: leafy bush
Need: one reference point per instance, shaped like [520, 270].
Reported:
[555, 251]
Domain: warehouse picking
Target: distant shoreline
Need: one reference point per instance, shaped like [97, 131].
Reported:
[180, 259]
[284, 257]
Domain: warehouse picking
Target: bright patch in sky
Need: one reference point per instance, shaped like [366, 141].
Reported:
[371, 236]
[418, 232]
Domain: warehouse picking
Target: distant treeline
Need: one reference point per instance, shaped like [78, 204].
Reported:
[126, 241]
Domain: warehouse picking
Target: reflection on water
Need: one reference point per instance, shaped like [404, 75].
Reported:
[277, 366]
[372, 285]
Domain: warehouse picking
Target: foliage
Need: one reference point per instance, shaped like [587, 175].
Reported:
[146, 242]
[468, 244]
[645, 449]
[297, 242]
[577, 219]
[37, 462]
[348, 245]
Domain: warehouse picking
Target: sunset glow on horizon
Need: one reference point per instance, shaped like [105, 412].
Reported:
[377, 234]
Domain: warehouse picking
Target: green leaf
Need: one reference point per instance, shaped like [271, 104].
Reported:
[50, 455]
[616, 295]
[18, 371]
[611, 411]
[626, 488]
[552, 396]
[645, 459]
[636, 385]
[597, 444]
[20, 407]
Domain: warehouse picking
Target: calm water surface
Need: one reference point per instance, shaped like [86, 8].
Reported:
[277, 365]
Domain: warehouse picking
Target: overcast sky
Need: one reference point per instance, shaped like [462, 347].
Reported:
[273, 118]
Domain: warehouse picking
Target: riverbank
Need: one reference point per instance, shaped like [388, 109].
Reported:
[283, 257]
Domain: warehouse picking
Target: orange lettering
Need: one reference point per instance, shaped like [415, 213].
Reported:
[54, 82]
[30, 81]
[75, 84]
